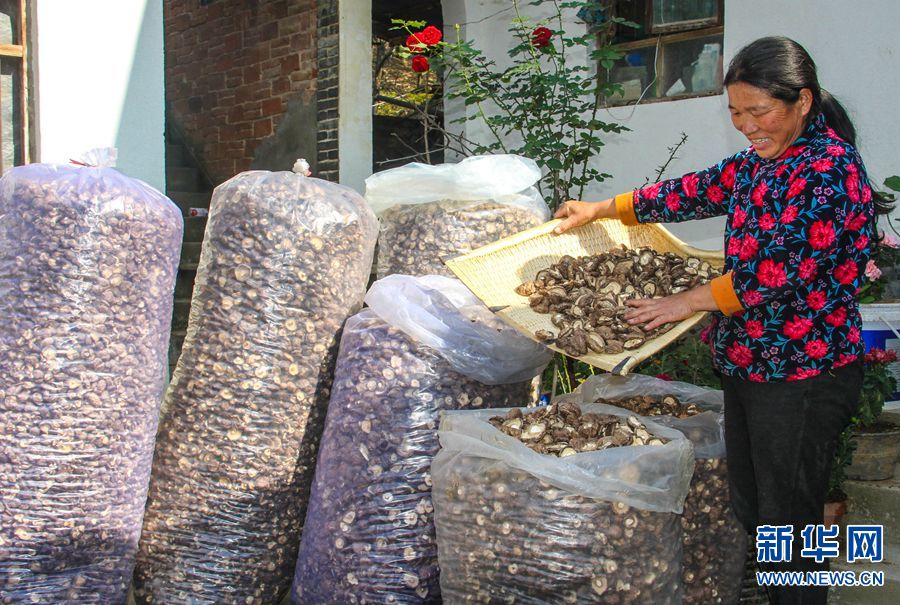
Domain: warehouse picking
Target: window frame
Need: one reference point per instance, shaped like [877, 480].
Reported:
[20, 52]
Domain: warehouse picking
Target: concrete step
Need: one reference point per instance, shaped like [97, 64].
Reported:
[176, 155]
[189, 199]
[875, 502]
[182, 178]
[190, 256]
[889, 594]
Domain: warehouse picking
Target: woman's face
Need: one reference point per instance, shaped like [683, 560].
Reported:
[771, 125]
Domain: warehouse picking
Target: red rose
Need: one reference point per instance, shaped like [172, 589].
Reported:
[803, 374]
[540, 37]
[663, 377]
[689, 184]
[715, 194]
[816, 300]
[749, 247]
[861, 243]
[650, 191]
[771, 274]
[808, 269]
[788, 214]
[738, 218]
[420, 63]
[756, 377]
[797, 327]
[835, 150]
[816, 349]
[754, 328]
[759, 193]
[728, 176]
[740, 355]
[846, 272]
[752, 298]
[837, 318]
[673, 201]
[415, 43]
[796, 186]
[431, 35]
[823, 165]
[852, 185]
[853, 335]
[766, 221]
[821, 235]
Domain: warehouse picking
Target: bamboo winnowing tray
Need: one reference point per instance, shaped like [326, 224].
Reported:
[492, 272]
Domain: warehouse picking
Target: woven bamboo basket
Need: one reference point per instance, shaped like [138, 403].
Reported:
[492, 272]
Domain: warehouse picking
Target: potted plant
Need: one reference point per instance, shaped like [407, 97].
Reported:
[877, 442]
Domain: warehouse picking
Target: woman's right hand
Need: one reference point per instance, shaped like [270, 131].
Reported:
[576, 213]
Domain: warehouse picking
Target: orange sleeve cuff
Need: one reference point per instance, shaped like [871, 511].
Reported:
[724, 295]
[625, 208]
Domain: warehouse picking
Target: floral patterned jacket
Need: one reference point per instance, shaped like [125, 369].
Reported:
[796, 247]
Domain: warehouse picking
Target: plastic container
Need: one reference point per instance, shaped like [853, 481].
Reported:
[880, 329]
[704, 76]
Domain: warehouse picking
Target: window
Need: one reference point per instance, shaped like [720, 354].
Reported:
[14, 138]
[674, 53]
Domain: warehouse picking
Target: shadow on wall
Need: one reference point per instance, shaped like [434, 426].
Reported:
[140, 134]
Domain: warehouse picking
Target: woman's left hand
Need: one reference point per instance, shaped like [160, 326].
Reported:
[655, 312]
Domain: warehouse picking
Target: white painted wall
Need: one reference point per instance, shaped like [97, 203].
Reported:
[853, 43]
[99, 72]
[355, 93]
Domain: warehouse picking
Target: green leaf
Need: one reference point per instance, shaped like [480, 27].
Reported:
[554, 164]
[892, 182]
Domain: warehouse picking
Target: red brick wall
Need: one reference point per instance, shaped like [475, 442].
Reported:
[231, 68]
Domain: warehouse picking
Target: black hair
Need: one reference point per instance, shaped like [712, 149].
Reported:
[782, 68]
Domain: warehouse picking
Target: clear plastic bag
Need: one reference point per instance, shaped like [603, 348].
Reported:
[595, 527]
[88, 259]
[284, 262]
[715, 543]
[429, 212]
[370, 531]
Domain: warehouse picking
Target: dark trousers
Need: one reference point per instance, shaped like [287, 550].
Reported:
[780, 439]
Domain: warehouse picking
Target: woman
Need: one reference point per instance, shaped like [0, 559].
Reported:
[786, 337]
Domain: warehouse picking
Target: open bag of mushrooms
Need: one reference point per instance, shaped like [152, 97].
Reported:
[565, 503]
[715, 543]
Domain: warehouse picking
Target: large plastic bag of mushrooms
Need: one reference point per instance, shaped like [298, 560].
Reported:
[88, 258]
[425, 345]
[515, 525]
[715, 544]
[285, 261]
[429, 213]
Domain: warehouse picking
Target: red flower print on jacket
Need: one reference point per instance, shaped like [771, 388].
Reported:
[749, 247]
[715, 194]
[866, 194]
[734, 246]
[821, 235]
[738, 217]
[816, 349]
[803, 374]
[650, 191]
[771, 274]
[823, 165]
[727, 177]
[756, 377]
[689, 184]
[759, 193]
[754, 328]
[816, 300]
[752, 298]
[853, 335]
[788, 214]
[673, 201]
[846, 272]
[852, 183]
[835, 150]
[766, 222]
[861, 243]
[808, 269]
[796, 186]
[844, 359]
[739, 354]
[798, 327]
[836, 318]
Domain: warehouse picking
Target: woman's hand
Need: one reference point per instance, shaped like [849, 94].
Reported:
[577, 213]
[655, 312]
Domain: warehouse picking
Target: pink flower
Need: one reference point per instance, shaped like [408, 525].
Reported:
[821, 235]
[846, 272]
[797, 328]
[740, 355]
[673, 201]
[816, 300]
[754, 328]
[816, 349]
[872, 271]
[752, 298]
[788, 214]
[766, 221]
[890, 241]
[771, 274]
[689, 183]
